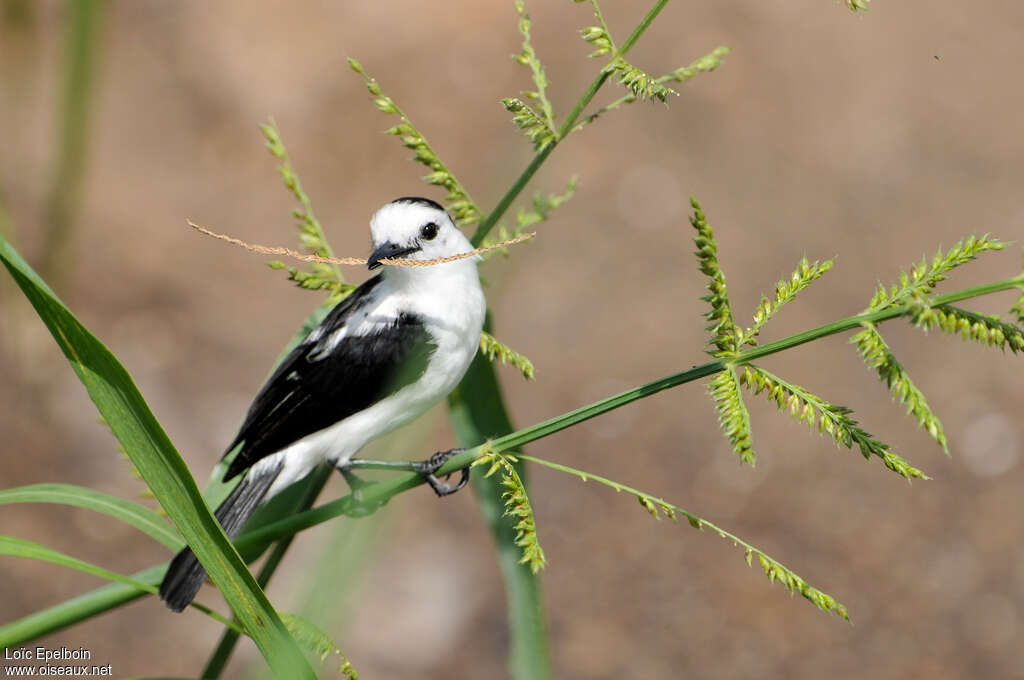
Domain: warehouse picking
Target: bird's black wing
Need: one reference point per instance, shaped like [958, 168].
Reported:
[316, 386]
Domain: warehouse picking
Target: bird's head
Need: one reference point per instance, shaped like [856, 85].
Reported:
[414, 228]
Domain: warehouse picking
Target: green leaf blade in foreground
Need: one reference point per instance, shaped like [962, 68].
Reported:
[119, 401]
[105, 598]
[143, 519]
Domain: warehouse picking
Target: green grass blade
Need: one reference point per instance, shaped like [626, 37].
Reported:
[6, 224]
[70, 612]
[19, 547]
[143, 519]
[147, 445]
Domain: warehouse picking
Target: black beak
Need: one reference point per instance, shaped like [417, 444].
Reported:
[387, 251]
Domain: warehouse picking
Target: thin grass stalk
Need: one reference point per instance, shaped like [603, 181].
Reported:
[82, 25]
[524, 178]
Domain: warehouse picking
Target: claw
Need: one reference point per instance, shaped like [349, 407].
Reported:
[428, 467]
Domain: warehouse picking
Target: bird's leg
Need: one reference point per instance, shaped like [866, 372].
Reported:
[366, 464]
[425, 468]
[353, 481]
[356, 485]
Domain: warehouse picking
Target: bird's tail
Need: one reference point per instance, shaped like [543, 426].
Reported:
[185, 576]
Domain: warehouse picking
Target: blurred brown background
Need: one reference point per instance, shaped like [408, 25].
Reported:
[876, 138]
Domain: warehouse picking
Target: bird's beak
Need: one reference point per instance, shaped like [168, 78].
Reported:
[387, 251]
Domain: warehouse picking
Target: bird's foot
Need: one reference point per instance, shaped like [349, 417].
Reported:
[428, 467]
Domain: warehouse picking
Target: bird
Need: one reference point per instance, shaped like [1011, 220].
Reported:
[396, 345]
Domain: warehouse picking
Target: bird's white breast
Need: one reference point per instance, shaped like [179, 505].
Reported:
[448, 300]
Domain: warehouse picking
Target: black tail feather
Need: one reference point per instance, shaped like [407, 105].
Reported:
[185, 576]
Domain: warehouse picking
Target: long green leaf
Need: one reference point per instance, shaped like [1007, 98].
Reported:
[141, 518]
[85, 606]
[19, 547]
[478, 413]
[147, 445]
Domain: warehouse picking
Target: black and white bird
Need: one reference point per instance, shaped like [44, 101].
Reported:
[390, 350]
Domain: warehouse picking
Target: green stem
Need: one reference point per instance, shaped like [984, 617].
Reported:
[70, 612]
[655, 505]
[566, 420]
[82, 24]
[7, 231]
[600, 20]
[6, 224]
[492, 218]
[474, 420]
[696, 521]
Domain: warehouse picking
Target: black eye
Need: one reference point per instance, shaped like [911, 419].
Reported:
[428, 231]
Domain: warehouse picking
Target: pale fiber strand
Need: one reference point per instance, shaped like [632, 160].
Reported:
[401, 262]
